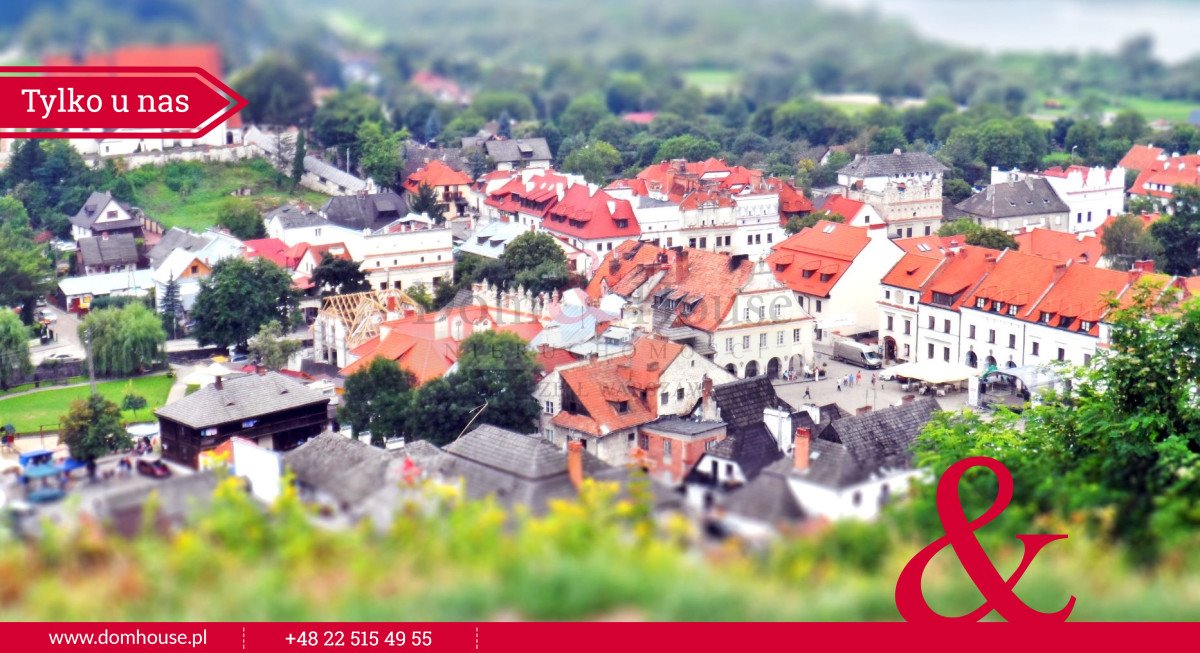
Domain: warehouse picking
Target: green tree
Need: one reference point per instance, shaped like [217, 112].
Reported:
[799, 223]
[888, 139]
[958, 227]
[337, 122]
[491, 104]
[241, 219]
[596, 161]
[272, 347]
[1179, 234]
[26, 271]
[170, 308]
[530, 250]
[479, 162]
[440, 412]
[92, 428]
[582, 114]
[277, 93]
[14, 349]
[338, 276]
[991, 239]
[957, 190]
[687, 146]
[239, 297]
[498, 367]
[378, 399]
[815, 122]
[425, 202]
[380, 159]
[1128, 125]
[298, 158]
[124, 340]
[419, 293]
[1126, 240]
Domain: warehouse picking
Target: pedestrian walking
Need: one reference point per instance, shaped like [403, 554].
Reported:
[839, 384]
[872, 380]
[858, 378]
[807, 394]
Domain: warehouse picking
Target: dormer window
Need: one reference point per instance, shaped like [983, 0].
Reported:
[999, 307]
[1046, 317]
[621, 407]
[1012, 309]
[1085, 326]
[807, 274]
[1065, 322]
[980, 303]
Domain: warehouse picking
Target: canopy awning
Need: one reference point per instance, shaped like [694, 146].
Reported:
[934, 372]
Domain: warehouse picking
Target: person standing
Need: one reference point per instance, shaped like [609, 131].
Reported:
[858, 378]
[839, 384]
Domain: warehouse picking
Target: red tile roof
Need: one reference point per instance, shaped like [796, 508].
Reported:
[1060, 245]
[791, 199]
[635, 262]
[1174, 172]
[202, 55]
[813, 260]
[436, 174]
[1018, 279]
[961, 271]
[318, 251]
[843, 206]
[414, 341]
[533, 196]
[1081, 295]
[912, 271]
[1141, 158]
[640, 117]
[272, 249]
[603, 386]
[552, 358]
[587, 212]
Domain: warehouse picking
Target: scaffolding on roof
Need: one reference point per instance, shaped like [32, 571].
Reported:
[362, 312]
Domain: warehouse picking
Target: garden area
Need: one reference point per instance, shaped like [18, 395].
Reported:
[42, 409]
[191, 194]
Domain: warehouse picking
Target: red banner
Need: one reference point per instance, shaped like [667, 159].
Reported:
[579, 637]
[141, 102]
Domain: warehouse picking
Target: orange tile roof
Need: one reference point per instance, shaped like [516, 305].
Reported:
[813, 260]
[912, 271]
[1141, 158]
[843, 206]
[1060, 245]
[961, 271]
[272, 249]
[1080, 294]
[603, 385]
[413, 341]
[588, 212]
[1018, 279]
[436, 174]
[1174, 172]
[704, 283]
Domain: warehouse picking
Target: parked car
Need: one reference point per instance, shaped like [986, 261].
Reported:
[62, 357]
[47, 316]
[856, 353]
[153, 468]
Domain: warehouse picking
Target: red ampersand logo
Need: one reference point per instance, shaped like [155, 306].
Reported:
[997, 591]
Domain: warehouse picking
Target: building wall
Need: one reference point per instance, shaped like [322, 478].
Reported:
[1077, 348]
[1053, 221]
[1004, 326]
[853, 299]
[949, 345]
[862, 501]
[770, 315]
[900, 304]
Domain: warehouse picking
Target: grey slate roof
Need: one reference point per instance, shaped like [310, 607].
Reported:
[742, 402]
[175, 238]
[346, 468]
[90, 211]
[518, 149]
[886, 165]
[365, 211]
[332, 173]
[883, 437]
[1012, 199]
[516, 469]
[294, 217]
[117, 249]
[767, 499]
[241, 398]
[751, 447]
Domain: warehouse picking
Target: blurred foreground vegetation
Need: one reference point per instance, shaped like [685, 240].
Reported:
[598, 558]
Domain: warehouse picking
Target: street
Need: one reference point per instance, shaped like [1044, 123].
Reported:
[66, 328]
[881, 395]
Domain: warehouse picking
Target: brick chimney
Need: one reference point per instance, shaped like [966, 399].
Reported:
[575, 463]
[217, 383]
[907, 399]
[862, 409]
[801, 452]
[1145, 267]
[708, 407]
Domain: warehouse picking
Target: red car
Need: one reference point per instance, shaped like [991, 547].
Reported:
[153, 468]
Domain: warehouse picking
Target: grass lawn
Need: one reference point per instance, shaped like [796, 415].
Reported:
[711, 82]
[198, 210]
[1150, 108]
[39, 410]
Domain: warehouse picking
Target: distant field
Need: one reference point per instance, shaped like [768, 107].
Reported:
[198, 210]
[712, 82]
[39, 410]
[1151, 109]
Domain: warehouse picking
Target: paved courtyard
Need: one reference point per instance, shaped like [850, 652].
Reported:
[851, 398]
